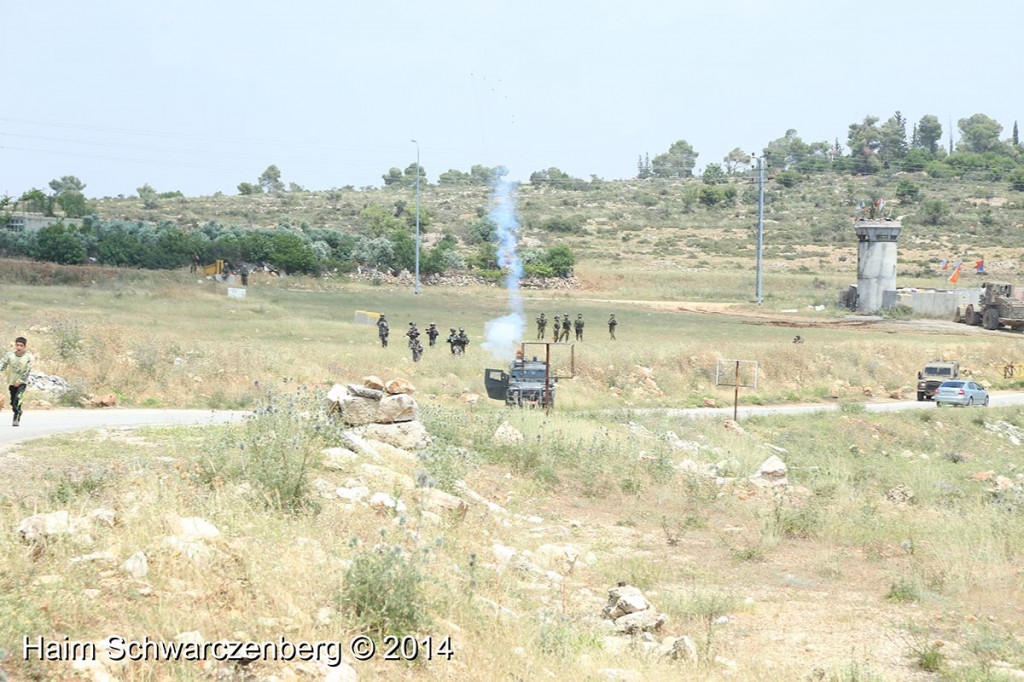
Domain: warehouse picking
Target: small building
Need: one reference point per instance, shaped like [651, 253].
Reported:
[23, 221]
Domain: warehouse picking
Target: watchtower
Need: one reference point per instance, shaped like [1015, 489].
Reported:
[876, 261]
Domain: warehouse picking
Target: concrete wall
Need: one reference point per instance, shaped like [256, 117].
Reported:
[942, 304]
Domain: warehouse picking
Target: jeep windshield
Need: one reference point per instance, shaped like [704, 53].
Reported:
[938, 371]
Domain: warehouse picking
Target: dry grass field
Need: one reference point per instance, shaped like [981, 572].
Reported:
[894, 552]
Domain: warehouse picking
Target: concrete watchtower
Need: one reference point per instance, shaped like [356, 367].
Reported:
[876, 261]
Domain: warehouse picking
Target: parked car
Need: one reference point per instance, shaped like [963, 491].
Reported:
[960, 392]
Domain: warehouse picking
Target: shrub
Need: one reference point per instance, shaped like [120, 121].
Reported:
[59, 244]
[279, 444]
[383, 592]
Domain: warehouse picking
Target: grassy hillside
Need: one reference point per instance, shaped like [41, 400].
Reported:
[661, 221]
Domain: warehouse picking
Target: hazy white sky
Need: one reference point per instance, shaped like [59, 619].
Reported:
[200, 95]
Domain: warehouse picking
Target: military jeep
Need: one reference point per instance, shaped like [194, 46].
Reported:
[933, 374]
[523, 384]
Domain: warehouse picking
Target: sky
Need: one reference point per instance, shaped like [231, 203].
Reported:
[198, 96]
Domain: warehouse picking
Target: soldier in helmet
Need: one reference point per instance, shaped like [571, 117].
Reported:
[542, 324]
[558, 328]
[463, 340]
[578, 326]
[417, 349]
[566, 323]
[453, 339]
[612, 324]
[413, 333]
[382, 330]
[432, 334]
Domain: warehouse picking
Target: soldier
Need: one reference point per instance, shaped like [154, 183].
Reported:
[578, 326]
[417, 349]
[383, 331]
[413, 333]
[432, 334]
[453, 339]
[558, 328]
[612, 324]
[463, 340]
[566, 323]
[542, 324]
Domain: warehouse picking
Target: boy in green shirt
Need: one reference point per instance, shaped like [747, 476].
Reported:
[18, 364]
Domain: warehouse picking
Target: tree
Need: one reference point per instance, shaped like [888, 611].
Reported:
[67, 193]
[864, 139]
[59, 244]
[787, 151]
[934, 212]
[270, 180]
[927, 134]
[907, 192]
[392, 177]
[1017, 180]
[893, 139]
[1015, 139]
[36, 201]
[736, 158]
[979, 134]
[561, 260]
[643, 167]
[68, 183]
[148, 196]
[248, 189]
[713, 175]
[677, 162]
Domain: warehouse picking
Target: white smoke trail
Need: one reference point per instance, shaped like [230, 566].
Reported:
[504, 333]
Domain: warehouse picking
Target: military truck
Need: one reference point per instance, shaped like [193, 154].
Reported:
[523, 384]
[933, 374]
[1000, 305]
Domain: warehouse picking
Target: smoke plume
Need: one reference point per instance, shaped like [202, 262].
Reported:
[504, 333]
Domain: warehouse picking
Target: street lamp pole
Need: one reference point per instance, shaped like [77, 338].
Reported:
[760, 228]
[416, 290]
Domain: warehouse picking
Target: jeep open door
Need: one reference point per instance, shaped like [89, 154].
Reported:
[496, 382]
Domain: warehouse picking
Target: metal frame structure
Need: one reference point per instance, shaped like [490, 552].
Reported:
[722, 379]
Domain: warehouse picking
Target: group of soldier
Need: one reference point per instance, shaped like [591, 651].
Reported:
[564, 323]
[457, 340]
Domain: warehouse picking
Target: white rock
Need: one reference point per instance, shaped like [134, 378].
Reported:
[506, 435]
[356, 494]
[136, 565]
[193, 528]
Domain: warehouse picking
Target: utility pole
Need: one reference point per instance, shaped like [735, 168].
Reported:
[416, 289]
[760, 228]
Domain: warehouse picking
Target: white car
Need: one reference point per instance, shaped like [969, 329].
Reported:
[960, 392]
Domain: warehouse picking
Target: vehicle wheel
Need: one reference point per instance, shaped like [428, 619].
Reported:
[920, 396]
[970, 402]
[990, 319]
[976, 321]
[969, 314]
[985, 404]
[938, 404]
[957, 316]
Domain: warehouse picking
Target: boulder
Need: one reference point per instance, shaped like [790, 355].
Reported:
[398, 407]
[772, 473]
[373, 382]
[506, 434]
[441, 503]
[407, 435]
[623, 600]
[108, 400]
[399, 387]
[364, 392]
[356, 410]
[339, 458]
[647, 620]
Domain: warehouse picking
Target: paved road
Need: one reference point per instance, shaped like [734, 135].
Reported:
[39, 423]
[998, 399]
